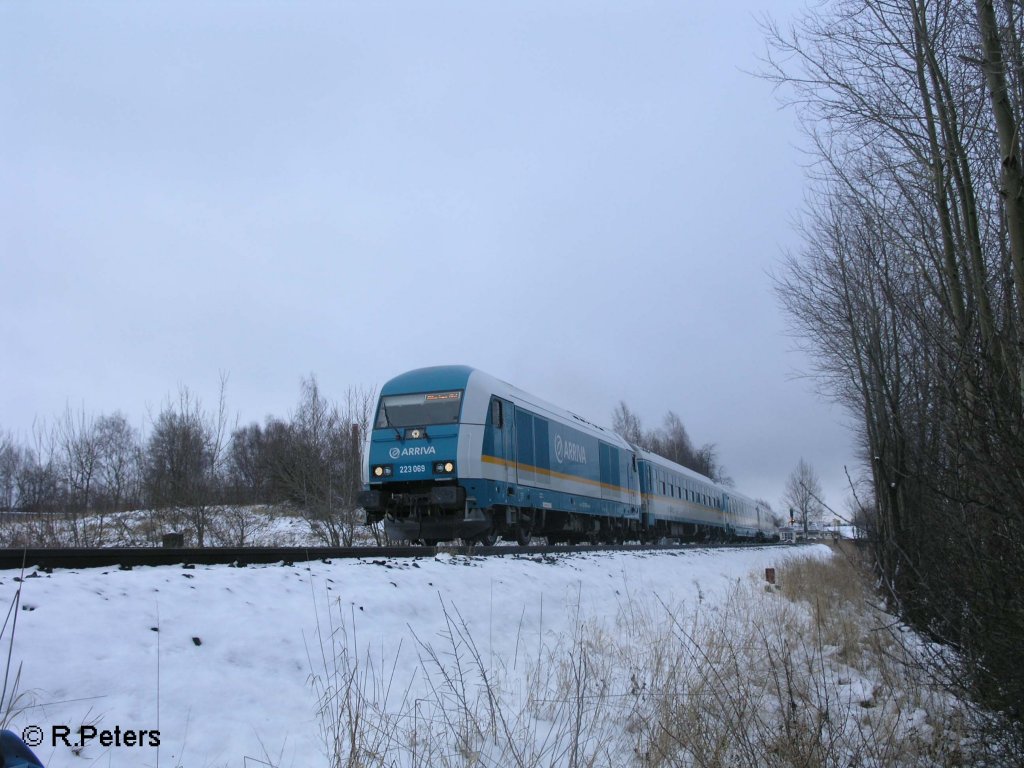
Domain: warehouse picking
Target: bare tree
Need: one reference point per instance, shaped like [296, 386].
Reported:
[626, 423]
[321, 467]
[909, 292]
[248, 472]
[706, 461]
[670, 441]
[803, 496]
[120, 460]
[38, 485]
[673, 441]
[184, 460]
[79, 458]
[255, 457]
[11, 461]
[357, 412]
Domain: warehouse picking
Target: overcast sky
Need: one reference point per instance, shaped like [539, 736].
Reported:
[583, 198]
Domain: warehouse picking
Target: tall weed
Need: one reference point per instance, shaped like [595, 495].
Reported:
[809, 673]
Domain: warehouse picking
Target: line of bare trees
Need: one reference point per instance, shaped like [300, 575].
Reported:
[194, 469]
[909, 292]
[670, 441]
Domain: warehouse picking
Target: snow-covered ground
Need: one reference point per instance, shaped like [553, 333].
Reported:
[227, 526]
[221, 660]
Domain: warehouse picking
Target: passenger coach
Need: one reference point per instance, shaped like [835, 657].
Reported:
[679, 503]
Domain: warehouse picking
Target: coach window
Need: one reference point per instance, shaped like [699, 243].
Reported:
[497, 413]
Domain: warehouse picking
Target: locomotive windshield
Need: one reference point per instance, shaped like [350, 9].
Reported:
[420, 410]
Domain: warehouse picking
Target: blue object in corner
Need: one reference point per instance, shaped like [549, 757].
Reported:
[14, 753]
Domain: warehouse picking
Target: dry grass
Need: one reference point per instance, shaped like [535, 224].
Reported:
[810, 673]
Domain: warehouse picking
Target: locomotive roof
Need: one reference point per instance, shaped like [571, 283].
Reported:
[433, 379]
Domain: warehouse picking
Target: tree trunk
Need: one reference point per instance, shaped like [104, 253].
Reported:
[1009, 146]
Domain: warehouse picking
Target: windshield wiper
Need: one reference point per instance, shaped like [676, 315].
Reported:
[387, 421]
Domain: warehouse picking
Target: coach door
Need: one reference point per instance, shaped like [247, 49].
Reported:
[633, 483]
[502, 420]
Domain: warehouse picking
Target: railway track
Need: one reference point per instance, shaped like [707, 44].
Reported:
[130, 557]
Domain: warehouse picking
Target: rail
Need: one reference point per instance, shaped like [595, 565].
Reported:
[130, 557]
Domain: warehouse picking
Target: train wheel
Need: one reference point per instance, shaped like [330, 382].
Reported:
[486, 539]
[523, 535]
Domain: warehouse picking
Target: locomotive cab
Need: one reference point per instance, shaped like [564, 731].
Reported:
[413, 460]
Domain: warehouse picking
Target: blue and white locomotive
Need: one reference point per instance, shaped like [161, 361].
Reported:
[456, 453]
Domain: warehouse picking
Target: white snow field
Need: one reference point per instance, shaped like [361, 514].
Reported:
[227, 664]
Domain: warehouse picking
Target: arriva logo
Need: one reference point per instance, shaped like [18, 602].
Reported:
[566, 450]
[418, 450]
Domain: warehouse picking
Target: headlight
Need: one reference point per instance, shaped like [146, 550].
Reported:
[444, 467]
[380, 471]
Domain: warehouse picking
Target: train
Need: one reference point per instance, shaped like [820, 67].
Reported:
[458, 454]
